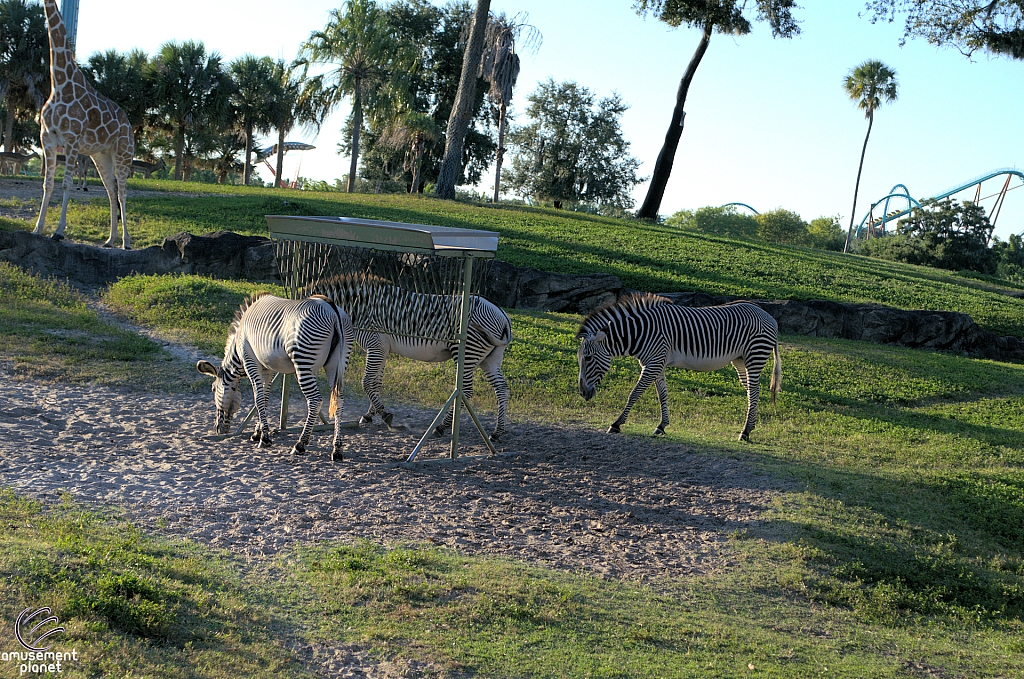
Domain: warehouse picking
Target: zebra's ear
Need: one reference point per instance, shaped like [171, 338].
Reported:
[206, 368]
[600, 336]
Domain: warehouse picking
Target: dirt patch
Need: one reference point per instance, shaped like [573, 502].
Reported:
[569, 497]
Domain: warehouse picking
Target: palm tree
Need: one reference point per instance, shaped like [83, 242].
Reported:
[295, 101]
[371, 61]
[462, 110]
[191, 91]
[126, 80]
[500, 68]
[412, 132]
[870, 85]
[254, 87]
[24, 62]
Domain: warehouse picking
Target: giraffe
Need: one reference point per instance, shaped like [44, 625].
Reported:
[83, 121]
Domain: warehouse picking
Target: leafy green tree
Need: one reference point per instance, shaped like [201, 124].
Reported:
[1011, 258]
[462, 111]
[945, 235]
[718, 221]
[709, 16]
[24, 64]
[191, 92]
[994, 26]
[372, 65]
[126, 79]
[573, 149]
[438, 34]
[826, 233]
[869, 85]
[251, 101]
[781, 226]
[296, 101]
[411, 132]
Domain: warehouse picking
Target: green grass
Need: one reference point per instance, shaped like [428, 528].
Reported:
[646, 257]
[133, 605]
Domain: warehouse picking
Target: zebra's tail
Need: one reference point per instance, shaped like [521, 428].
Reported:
[345, 333]
[776, 385]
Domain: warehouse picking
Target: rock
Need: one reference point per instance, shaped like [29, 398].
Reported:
[527, 288]
[221, 254]
[260, 264]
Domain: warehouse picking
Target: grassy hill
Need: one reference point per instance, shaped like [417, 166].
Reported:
[645, 256]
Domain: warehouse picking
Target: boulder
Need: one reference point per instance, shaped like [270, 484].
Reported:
[221, 254]
[527, 288]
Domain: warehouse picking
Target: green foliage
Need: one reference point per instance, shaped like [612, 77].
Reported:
[946, 235]
[719, 221]
[572, 151]
[726, 17]
[871, 84]
[996, 26]
[126, 79]
[826, 233]
[24, 68]
[781, 226]
[1011, 258]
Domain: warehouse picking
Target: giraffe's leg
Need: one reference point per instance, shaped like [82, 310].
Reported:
[105, 168]
[491, 365]
[49, 144]
[121, 171]
[69, 180]
[309, 388]
[648, 374]
[662, 388]
[754, 367]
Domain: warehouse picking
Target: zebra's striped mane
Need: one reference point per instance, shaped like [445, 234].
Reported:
[599, 317]
[249, 301]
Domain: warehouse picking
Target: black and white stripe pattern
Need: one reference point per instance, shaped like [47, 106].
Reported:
[400, 321]
[274, 335]
[662, 335]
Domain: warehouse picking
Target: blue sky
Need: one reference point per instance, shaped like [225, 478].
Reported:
[767, 124]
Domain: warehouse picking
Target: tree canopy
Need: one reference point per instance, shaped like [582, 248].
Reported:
[994, 26]
[572, 150]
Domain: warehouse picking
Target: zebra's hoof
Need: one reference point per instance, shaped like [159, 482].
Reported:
[57, 237]
[614, 429]
[298, 449]
[388, 418]
[496, 437]
[264, 443]
[255, 436]
[366, 419]
[658, 432]
[336, 456]
[745, 436]
[439, 431]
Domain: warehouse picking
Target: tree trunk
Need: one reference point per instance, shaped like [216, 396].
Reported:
[462, 110]
[417, 161]
[179, 153]
[9, 128]
[501, 151]
[357, 123]
[280, 157]
[663, 167]
[856, 187]
[247, 172]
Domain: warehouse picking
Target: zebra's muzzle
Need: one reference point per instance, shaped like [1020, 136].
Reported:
[587, 391]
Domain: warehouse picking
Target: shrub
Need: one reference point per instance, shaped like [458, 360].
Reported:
[826, 233]
[719, 221]
[781, 226]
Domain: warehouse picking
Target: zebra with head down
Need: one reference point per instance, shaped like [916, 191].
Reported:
[662, 335]
[409, 317]
[274, 335]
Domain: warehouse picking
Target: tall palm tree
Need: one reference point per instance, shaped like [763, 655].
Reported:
[24, 62]
[191, 91]
[252, 97]
[870, 85]
[126, 80]
[371, 64]
[295, 101]
[411, 132]
[500, 67]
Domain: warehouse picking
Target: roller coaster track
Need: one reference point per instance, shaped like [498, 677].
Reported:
[878, 224]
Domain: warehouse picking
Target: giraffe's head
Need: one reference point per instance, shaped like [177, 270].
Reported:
[226, 395]
[594, 359]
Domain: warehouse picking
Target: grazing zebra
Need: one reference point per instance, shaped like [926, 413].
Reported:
[274, 335]
[408, 314]
[660, 335]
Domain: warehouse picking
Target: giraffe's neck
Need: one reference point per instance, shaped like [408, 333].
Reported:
[62, 65]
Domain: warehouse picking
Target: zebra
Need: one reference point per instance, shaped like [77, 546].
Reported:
[660, 335]
[275, 335]
[410, 314]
